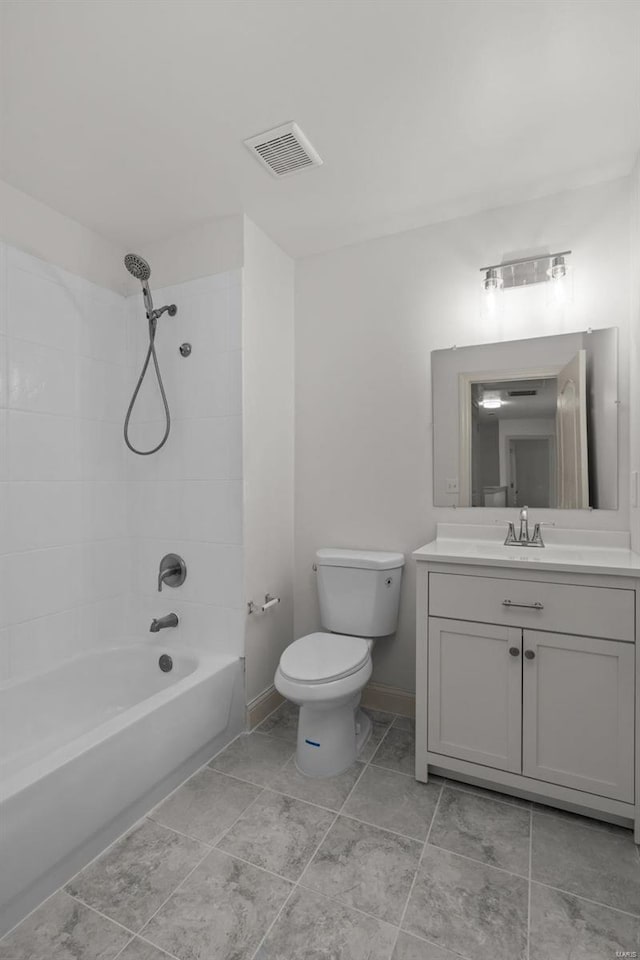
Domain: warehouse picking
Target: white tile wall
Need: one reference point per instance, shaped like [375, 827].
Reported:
[187, 498]
[65, 552]
[84, 522]
[187, 509]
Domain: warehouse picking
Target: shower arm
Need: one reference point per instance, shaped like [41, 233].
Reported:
[171, 309]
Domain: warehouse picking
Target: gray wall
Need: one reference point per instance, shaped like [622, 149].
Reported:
[367, 318]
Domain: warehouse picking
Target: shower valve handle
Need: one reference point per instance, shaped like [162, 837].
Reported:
[173, 571]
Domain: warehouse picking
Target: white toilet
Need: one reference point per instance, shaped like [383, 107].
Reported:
[325, 673]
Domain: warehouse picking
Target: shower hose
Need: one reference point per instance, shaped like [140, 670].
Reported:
[151, 352]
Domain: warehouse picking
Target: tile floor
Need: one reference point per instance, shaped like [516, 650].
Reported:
[249, 860]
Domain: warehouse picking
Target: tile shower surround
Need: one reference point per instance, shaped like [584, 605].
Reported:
[83, 522]
[247, 860]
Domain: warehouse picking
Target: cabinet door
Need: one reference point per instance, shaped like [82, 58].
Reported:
[475, 687]
[578, 713]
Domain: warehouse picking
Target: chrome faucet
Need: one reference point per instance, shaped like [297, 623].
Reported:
[524, 537]
[171, 620]
[524, 525]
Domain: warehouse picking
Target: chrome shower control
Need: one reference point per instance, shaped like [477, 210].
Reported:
[173, 571]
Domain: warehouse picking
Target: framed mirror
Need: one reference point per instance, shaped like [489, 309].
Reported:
[530, 422]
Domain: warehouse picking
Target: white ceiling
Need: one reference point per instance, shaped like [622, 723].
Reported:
[541, 406]
[129, 115]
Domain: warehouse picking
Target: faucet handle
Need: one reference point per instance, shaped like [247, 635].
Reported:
[536, 539]
[511, 534]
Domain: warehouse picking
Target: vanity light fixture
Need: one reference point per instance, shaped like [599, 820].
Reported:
[525, 271]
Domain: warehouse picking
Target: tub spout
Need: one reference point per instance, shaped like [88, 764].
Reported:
[171, 620]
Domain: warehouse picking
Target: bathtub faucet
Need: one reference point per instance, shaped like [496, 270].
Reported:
[171, 620]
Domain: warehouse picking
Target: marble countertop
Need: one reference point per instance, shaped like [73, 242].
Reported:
[570, 551]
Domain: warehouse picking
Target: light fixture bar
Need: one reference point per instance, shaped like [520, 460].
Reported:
[524, 271]
[541, 258]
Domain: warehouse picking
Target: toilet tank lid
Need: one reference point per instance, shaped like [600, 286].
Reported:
[363, 559]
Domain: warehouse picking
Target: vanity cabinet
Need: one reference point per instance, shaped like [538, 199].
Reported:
[578, 712]
[475, 692]
[552, 706]
[527, 683]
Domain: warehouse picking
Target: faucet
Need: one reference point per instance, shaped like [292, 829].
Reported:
[524, 537]
[171, 620]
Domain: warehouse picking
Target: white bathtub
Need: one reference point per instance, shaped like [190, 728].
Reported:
[87, 748]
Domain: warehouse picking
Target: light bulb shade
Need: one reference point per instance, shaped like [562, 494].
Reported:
[492, 280]
[560, 285]
[558, 269]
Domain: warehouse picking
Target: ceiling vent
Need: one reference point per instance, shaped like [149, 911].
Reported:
[284, 150]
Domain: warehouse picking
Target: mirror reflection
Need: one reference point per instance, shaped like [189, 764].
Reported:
[527, 422]
[513, 443]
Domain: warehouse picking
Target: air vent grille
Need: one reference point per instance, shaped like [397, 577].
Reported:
[284, 150]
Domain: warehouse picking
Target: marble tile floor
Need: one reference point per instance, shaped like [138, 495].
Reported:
[249, 860]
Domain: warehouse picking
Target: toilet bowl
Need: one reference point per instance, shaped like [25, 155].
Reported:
[325, 672]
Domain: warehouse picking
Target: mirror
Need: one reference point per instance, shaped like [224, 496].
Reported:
[530, 422]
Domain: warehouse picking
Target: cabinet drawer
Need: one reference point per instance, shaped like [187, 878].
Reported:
[567, 608]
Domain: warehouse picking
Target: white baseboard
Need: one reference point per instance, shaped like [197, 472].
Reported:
[262, 705]
[378, 696]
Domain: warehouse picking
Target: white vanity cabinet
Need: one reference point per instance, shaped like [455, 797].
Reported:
[475, 692]
[527, 679]
[578, 712]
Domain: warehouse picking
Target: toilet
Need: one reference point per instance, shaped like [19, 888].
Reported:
[325, 673]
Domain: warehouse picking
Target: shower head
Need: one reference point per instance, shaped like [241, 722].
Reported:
[141, 270]
[137, 267]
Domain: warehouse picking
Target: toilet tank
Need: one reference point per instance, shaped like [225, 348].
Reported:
[359, 591]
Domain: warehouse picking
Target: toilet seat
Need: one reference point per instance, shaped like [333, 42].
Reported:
[323, 657]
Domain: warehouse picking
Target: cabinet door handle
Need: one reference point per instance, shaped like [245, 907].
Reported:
[529, 606]
[530, 654]
[514, 651]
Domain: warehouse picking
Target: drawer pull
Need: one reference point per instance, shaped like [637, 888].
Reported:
[530, 606]
[514, 651]
[530, 654]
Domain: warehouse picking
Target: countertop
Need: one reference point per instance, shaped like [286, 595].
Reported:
[569, 551]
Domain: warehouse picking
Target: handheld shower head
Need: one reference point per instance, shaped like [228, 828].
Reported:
[137, 267]
[141, 270]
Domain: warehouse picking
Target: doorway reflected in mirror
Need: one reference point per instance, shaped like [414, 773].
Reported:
[535, 423]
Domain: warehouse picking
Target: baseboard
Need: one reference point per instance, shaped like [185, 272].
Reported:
[390, 699]
[378, 696]
[262, 706]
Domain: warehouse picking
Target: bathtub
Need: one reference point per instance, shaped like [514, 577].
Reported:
[89, 747]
